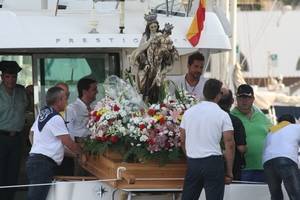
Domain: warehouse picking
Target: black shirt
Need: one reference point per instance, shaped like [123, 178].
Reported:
[240, 139]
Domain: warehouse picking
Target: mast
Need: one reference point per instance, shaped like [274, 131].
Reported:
[232, 55]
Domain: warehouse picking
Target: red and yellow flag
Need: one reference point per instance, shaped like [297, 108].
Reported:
[194, 32]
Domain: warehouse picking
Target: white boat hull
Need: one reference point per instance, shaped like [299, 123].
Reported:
[95, 190]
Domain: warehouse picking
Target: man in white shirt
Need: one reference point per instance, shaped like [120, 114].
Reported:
[202, 128]
[77, 113]
[50, 134]
[280, 158]
[193, 82]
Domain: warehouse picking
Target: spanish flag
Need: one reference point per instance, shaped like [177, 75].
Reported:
[194, 32]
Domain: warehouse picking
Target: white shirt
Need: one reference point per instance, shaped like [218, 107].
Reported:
[204, 124]
[46, 142]
[283, 143]
[181, 83]
[77, 117]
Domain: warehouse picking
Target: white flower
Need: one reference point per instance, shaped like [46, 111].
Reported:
[123, 113]
[143, 138]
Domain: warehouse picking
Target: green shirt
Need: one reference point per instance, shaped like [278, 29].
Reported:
[256, 131]
[12, 108]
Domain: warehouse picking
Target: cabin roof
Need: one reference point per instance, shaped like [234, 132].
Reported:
[41, 29]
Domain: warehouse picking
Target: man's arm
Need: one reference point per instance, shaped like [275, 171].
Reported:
[229, 154]
[240, 135]
[182, 139]
[242, 148]
[68, 142]
[30, 137]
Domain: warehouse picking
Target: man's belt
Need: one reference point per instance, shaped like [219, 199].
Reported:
[9, 133]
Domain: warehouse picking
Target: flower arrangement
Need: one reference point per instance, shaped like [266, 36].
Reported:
[139, 132]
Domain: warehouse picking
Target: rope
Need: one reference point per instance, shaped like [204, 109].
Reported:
[109, 180]
[53, 183]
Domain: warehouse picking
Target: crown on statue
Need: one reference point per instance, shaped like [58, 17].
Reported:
[168, 27]
[151, 17]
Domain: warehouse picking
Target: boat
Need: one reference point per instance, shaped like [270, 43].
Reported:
[96, 38]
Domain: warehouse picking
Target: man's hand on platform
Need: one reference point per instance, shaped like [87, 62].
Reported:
[228, 179]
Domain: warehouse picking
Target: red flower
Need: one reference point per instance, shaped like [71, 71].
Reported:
[162, 121]
[162, 105]
[97, 118]
[142, 126]
[116, 108]
[114, 139]
[94, 113]
[110, 122]
[104, 138]
[151, 112]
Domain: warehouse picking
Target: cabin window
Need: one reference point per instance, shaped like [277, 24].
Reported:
[298, 65]
[69, 69]
[25, 75]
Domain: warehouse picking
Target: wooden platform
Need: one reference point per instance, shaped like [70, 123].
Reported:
[137, 175]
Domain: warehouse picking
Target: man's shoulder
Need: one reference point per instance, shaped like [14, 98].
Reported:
[55, 119]
[20, 88]
[203, 79]
[75, 104]
[177, 79]
[235, 112]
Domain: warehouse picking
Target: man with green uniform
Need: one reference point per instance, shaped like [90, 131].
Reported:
[13, 103]
[256, 126]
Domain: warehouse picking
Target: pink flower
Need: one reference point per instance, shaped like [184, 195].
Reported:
[175, 115]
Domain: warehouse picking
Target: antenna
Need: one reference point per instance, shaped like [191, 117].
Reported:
[56, 8]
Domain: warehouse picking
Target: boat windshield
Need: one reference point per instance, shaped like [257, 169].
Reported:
[171, 7]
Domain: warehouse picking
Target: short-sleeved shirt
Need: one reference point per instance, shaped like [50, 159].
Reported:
[181, 83]
[204, 125]
[240, 139]
[46, 141]
[256, 128]
[283, 143]
[77, 117]
[12, 109]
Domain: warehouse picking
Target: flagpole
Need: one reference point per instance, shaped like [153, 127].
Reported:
[232, 54]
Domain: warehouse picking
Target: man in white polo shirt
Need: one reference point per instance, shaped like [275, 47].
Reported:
[77, 113]
[202, 128]
[280, 158]
[50, 134]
